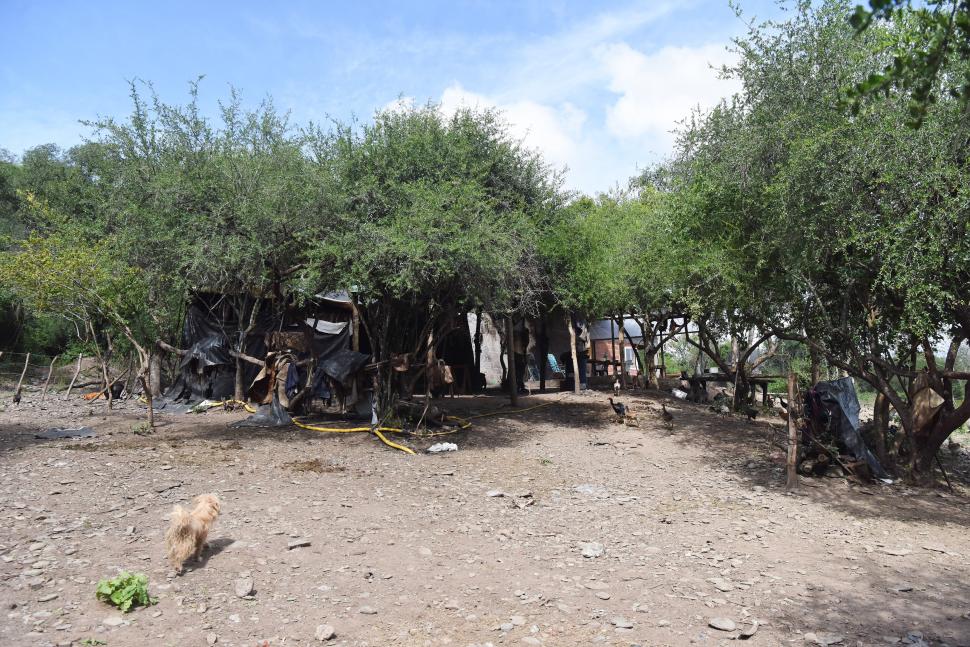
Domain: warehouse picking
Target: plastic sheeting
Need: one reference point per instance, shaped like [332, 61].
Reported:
[268, 415]
[835, 407]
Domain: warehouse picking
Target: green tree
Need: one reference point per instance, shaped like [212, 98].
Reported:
[434, 216]
[930, 48]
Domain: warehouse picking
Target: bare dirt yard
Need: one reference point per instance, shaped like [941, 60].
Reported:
[552, 526]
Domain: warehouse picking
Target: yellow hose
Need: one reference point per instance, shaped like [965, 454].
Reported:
[463, 423]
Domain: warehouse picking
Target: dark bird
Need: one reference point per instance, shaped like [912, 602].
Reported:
[16, 397]
[751, 412]
[665, 415]
[618, 407]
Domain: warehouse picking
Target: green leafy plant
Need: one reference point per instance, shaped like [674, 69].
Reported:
[125, 591]
[90, 642]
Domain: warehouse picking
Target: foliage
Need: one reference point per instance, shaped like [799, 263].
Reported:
[125, 591]
[928, 40]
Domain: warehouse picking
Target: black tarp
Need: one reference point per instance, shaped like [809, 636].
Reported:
[834, 408]
[207, 370]
[268, 415]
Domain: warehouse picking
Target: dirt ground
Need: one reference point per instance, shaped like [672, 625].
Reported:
[483, 546]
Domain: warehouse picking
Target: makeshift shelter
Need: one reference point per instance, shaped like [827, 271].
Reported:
[288, 351]
[832, 409]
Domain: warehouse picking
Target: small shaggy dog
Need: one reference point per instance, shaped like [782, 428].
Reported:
[186, 535]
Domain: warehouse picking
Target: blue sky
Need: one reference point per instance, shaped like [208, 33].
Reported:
[595, 86]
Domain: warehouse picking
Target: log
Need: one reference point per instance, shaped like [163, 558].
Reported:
[792, 482]
[77, 371]
[20, 382]
[47, 381]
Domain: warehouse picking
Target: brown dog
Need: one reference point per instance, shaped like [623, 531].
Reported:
[186, 535]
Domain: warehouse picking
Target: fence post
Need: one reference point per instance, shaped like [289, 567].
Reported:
[77, 371]
[50, 371]
[792, 435]
[16, 394]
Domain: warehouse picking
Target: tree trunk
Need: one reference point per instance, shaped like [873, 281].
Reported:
[154, 384]
[792, 481]
[148, 399]
[880, 423]
[572, 352]
[510, 353]
[816, 367]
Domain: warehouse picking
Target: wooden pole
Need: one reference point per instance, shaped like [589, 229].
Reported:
[50, 371]
[478, 348]
[622, 352]
[572, 352]
[543, 352]
[16, 394]
[612, 370]
[792, 482]
[77, 372]
[510, 351]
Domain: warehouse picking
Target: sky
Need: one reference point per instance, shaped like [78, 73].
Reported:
[597, 87]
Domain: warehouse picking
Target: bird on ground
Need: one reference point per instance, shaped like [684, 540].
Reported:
[616, 387]
[751, 412]
[16, 397]
[666, 416]
[618, 407]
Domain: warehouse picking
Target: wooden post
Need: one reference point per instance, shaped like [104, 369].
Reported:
[77, 372]
[622, 353]
[612, 370]
[543, 352]
[16, 393]
[47, 382]
[792, 482]
[478, 348]
[510, 353]
[572, 352]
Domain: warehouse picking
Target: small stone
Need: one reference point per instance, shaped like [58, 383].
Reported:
[297, 543]
[622, 623]
[367, 611]
[494, 493]
[424, 551]
[324, 633]
[211, 639]
[506, 626]
[593, 549]
[721, 584]
[48, 598]
[722, 624]
[824, 639]
[750, 631]
[113, 621]
[531, 640]
[602, 595]
[896, 552]
[517, 621]
[244, 587]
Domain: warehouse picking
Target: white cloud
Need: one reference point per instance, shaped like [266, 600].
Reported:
[660, 89]
[553, 130]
